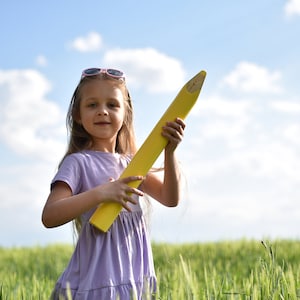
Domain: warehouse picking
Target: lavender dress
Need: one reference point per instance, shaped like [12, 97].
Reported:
[113, 265]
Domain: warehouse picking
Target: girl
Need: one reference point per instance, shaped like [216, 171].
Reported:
[117, 264]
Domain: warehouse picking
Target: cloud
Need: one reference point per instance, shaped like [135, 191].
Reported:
[292, 133]
[32, 128]
[31, 125]
[148, 68]
[291, 107]
[240, 133]
[292, 8]
[24, 188]
[223, 119]
[41, 61]
[90, 43]
[223, 107]
[251, 78]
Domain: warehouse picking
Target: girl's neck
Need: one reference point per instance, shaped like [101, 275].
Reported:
[103, 145]
[102, 148]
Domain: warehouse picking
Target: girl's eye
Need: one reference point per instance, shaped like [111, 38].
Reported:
[92, 105]
[112, 104]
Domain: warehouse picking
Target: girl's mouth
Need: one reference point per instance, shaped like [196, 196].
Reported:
[101, 123]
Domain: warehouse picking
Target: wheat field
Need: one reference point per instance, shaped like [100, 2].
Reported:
[244, 269]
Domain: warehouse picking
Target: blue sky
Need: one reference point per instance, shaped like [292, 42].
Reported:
[240, 154]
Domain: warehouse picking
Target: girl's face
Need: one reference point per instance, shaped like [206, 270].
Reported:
[102, 112]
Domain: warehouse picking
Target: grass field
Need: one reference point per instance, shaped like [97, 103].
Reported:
[224, 270]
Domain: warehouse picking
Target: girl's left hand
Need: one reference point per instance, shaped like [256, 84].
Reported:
[173, 131]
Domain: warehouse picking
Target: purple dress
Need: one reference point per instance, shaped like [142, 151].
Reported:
[113, 265]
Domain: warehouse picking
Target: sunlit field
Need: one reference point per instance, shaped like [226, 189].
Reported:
[224, 270]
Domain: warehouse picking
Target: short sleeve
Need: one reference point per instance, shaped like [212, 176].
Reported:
[69, 172]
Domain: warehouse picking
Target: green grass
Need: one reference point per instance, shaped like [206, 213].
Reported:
[224, 270]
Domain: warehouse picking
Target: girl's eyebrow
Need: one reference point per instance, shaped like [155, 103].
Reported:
[89, 98]
[99, 97]
[92, 98]
[114, 99]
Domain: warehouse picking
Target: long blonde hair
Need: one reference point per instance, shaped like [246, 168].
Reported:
[79, 138]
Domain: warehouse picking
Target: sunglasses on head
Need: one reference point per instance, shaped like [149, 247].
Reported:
[110, 72]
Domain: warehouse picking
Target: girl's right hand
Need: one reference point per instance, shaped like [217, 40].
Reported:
[62, 206]
[118, 191]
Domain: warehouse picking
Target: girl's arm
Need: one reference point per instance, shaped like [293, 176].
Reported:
[62, 206]
[167, 190]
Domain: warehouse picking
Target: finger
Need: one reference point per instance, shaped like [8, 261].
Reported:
[172, 132]
[181, 123]
[125, 200]
[130, 199]
[177, 125]
[132, 178]
[125, 205]
[130, 191]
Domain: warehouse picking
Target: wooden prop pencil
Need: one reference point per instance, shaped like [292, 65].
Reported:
[150, 150]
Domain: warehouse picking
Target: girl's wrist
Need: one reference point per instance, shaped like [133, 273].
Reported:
[170, 151]
[96, 196]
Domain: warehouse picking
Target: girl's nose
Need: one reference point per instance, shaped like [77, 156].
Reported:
[102, 111]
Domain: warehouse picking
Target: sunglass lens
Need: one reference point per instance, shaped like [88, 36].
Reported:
[115, 73]
[92, 71]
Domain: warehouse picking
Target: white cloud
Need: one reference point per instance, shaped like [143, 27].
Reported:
[32, 127]
[244, 136]
[222, 107]
[270, 159]
[90, 43]
[242, 165]
[291, 107]
[30, 124]
[250, 77]
[223, 119]
[292, 133]
[153, 70]
[249, 186]
[292, 8]
[24, 188]
[41, 61]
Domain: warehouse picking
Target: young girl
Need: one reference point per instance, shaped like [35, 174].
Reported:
[117, 264]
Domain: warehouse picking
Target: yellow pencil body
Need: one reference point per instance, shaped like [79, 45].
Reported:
[150, 150]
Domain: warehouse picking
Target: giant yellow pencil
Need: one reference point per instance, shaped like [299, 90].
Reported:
[150, 150]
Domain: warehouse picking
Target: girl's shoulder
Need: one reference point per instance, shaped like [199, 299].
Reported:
[74, 160]
[72, 157]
